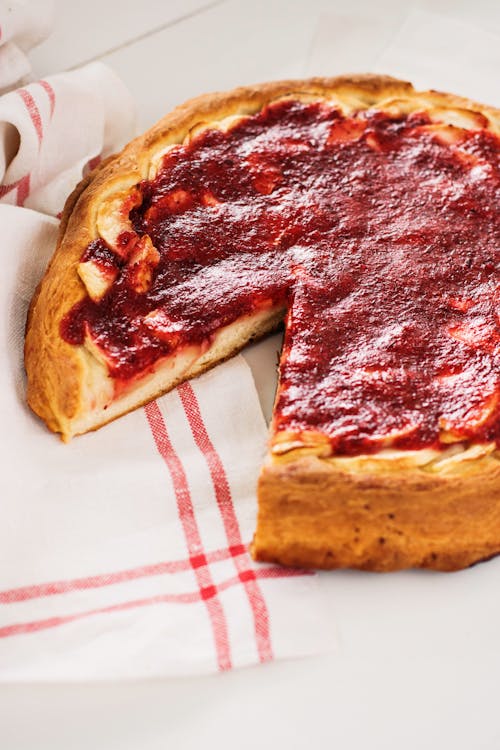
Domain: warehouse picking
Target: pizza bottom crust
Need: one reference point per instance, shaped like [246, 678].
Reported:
[313, 513]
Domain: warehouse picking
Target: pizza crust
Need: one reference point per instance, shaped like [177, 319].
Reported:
[310, 505]
[388, 511]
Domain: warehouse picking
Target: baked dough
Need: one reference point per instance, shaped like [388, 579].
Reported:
[385, 510]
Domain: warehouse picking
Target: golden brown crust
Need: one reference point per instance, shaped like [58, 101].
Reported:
[310, 506]
[341, 514]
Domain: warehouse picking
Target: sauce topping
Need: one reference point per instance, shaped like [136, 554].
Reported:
[379, 234]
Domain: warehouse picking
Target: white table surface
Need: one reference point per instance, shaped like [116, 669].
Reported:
[418, 662]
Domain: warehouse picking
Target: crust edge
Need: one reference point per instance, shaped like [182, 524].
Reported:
[316, 514]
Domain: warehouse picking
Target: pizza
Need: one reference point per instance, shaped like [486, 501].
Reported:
[366, 217]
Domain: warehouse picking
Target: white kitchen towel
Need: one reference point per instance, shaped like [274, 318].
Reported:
[53, 130]
[23, 25]
[125, 553]
[429, 49]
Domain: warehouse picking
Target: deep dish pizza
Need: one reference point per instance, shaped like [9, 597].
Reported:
[367, 217]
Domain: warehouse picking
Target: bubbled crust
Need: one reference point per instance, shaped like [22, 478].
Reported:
[380, 512]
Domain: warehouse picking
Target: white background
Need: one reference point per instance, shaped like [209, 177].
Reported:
[418, 663]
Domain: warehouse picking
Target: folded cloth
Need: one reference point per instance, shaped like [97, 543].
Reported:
[23, 25]
[124, 553]
[53, 130]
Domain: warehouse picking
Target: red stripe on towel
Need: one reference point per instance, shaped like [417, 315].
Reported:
[23, 628]
[191, 532]
[33, 112]
[225, 503]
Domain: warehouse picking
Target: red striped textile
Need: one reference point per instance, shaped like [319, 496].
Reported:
[184, 598]
[231, 526]
[33, 112]
[207, 590]
[50, 93]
